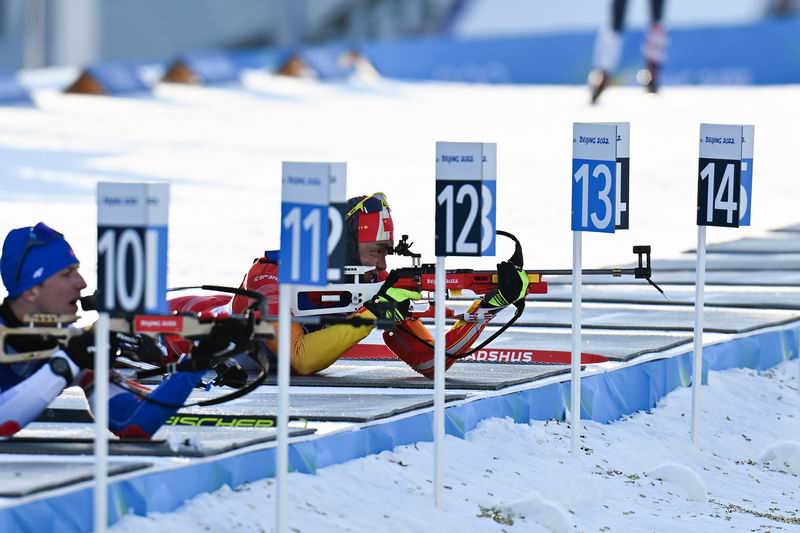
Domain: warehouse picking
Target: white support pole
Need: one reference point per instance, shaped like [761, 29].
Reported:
[697, 356]
[101, 423]
[284, 365]
[76, 30]
[33, 51]
[438, 383]
[575, 405]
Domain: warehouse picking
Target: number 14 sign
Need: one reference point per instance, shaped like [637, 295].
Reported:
[720, 176]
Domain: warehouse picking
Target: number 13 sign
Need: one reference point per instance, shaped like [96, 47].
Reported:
[594, 164]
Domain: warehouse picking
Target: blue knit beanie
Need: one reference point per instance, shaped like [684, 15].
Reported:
[42, 252]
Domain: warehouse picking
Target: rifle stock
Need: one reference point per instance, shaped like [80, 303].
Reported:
[57, 327]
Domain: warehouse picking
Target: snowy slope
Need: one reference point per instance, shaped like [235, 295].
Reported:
[222, 149]
[638, 474]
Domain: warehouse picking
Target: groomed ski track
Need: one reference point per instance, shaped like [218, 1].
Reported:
[609, 391]
[57, 152]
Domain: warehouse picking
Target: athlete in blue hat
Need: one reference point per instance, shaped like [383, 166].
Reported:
[40, 271]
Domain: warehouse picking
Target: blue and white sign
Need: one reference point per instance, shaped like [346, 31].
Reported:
[623, 173]
[746, 187]
[594, 164]
[305, 223]
[489, 199]
[719, 176]
[132, 221]
[466, 196]
[337, 244]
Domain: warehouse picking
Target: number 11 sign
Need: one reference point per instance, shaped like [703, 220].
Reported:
[304, 223]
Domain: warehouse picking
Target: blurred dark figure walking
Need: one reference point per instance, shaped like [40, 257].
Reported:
[608, 48]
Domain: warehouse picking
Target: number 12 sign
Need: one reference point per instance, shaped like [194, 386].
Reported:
[466, 193]
[720, 174]
[594, 165]
[304, 223]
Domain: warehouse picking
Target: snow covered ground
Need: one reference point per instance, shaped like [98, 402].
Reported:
[222, 148]
[638, 474]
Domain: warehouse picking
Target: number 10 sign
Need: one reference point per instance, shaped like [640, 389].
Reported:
[132, 247]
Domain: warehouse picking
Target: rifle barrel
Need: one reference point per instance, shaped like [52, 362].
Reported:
[587, 272]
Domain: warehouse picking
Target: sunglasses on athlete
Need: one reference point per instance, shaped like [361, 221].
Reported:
[374, 203]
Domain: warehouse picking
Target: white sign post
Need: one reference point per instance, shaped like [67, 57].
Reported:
[466, 175]
[718, 204]
[305, 199]
[132, 220]
[623, 180]
[594, 200]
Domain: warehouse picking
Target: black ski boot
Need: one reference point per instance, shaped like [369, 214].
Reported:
[598, 81]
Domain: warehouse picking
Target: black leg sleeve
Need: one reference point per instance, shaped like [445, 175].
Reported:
[656, 10]
[618, 14]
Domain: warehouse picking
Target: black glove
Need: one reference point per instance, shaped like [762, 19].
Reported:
[512, 285]
[226, 338]
[230, 374]
[81, 349]
[138, 348]
[393, 304]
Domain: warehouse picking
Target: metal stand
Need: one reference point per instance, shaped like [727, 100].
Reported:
[438, 384]
[101, 423]
[697, 356]
[575, 421]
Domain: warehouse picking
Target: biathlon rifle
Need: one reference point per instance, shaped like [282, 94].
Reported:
[351, 296]
[58, 328]
[347, 298]
[55, 331]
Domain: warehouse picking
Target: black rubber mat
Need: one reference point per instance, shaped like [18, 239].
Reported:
[741, 278]
[638, 317]
[24, 478]
[176, 442]
[793, 228]
[311, 407]
[741, 297]
[392, 374]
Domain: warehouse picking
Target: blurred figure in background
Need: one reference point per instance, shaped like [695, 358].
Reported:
[608, 48]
